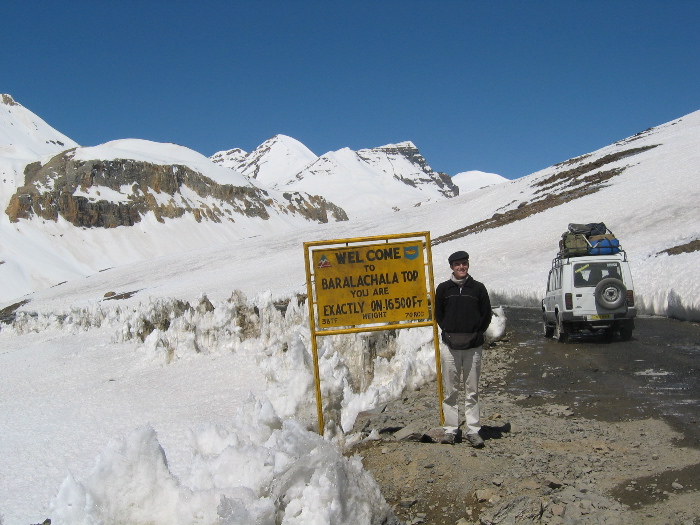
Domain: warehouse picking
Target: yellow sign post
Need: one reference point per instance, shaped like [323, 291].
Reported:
[366, 284]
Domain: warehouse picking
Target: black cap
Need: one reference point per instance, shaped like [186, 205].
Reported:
[458, 256]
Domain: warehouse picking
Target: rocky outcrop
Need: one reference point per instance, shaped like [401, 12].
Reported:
[230, 158]
[8, 100]
[111, 193]
[314, 207]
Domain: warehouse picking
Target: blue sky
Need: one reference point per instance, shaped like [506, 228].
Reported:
[508, 87]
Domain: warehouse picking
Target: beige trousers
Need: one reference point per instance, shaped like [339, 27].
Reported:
[464, 365]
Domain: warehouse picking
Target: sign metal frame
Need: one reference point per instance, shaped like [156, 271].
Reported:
[397, 270]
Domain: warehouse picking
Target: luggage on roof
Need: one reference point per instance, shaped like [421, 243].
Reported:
[573, 244]
[603, 245]
[593, 228]
[588, 239]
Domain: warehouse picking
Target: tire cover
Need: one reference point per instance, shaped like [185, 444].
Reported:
[610, 293]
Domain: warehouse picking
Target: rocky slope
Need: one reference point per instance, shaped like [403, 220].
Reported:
[120, 192]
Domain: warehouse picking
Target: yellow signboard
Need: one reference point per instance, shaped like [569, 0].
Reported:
[371, 283]
[362, 287]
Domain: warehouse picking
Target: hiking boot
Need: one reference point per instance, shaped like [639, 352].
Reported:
[474, 440]
[452, 435]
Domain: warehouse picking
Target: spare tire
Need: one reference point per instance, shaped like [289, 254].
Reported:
[610, 293]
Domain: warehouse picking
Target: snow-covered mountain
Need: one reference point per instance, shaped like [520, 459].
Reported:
[120, 183]
[70, 211]
[272, 163]
[363, 182]
[23, 135]
[472, 180]
[643, 187]
[154, 199]
[24, 138]
[150, 364]
[657, 166]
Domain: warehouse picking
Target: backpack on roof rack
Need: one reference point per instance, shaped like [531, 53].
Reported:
[588, 239]
[572, 244]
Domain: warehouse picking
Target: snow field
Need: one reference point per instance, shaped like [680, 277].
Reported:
[239, 372]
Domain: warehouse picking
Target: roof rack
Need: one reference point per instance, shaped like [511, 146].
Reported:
[559, 258]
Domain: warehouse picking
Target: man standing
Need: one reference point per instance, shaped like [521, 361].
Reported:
[463, 312]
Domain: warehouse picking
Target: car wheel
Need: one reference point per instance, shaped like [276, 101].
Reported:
[548, 329]
[610, 293]
[560, 333]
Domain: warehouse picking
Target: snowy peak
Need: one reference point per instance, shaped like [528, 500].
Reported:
[361, 182]
[23, 135]
[374, 180]
[405, 148]
[405, 163]
[475, 180]
[274, 161]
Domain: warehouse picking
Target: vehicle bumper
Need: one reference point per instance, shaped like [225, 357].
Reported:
[602, 317]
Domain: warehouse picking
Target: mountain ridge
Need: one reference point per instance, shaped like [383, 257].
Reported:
[642, 187]
[343, 176]
[56, 195]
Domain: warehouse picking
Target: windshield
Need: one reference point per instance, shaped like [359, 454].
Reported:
[590, 274]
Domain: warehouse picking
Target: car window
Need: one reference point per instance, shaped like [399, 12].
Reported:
[590, 274]
[552, 282]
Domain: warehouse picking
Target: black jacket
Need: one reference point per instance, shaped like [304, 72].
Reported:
[464, 310]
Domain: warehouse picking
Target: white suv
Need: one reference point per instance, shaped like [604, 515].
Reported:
[590, 292]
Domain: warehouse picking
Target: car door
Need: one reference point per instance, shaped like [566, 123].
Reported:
[587, 276]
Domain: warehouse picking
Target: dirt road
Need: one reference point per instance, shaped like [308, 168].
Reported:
[602, 432]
